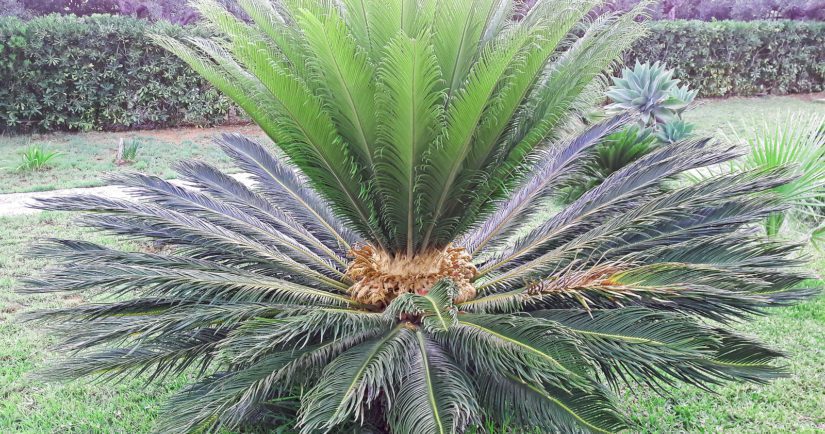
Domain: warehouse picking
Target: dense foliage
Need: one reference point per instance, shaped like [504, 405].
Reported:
[175, 11]
[716, 10]
[655, 96]
[99, 72]
[740, 58]
[103, 73]
[180, 11]
[391, 270]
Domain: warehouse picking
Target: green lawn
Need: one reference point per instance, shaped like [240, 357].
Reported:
[711, 115]
[795, 404]
[29, 406]
[85, 157]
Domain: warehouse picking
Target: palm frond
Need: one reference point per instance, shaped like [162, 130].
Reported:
[525, 347]
[355, 379]
[435, 307]
[638, 345]
[436, 396]
[621, 191]
[549, 408]
[545, 176]
[281, 184]
[410, 110]
[226, 188]
[345, 73]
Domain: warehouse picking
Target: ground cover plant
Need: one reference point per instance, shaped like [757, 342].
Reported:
[35, 157]
[380, 273]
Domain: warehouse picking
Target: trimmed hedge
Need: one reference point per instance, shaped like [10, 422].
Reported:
[725, 58]
[102, 72]
[98, 73]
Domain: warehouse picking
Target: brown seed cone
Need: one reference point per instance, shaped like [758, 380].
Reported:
[380, 277]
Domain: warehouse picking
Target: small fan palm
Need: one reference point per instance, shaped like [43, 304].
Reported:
[796, 141]
[388, 268]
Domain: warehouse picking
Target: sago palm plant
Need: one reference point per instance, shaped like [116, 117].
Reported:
[388, 269]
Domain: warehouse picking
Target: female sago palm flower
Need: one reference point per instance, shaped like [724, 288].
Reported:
[389, 268]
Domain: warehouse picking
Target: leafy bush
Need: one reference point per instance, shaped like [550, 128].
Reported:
[175, 11]
[13, 8]
[36, 158]
[739, 58]
[715, 10]
[76, 7]
[68, 73]
[420, 153]
[98, 72]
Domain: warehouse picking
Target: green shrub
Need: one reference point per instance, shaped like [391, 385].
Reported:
[725, 58]
[103, 73]
[97, 73]
[36, 158]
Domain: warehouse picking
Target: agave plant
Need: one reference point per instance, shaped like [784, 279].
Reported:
[652, 91]
[661, 119]
[674, 131]
[388, 269]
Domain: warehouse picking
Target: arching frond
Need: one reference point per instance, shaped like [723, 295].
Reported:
[549, 408]
[282, 185]
[355, 379]
[436, 396]
[411, 109]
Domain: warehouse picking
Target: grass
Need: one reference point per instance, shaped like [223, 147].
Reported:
[86, 157]
[793, 404]
[714, 114]
[30, 406]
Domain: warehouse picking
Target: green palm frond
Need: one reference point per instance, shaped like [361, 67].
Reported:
[549, 408]
[449, 394]
[356, 378]
[411, 115]
[392, 266]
